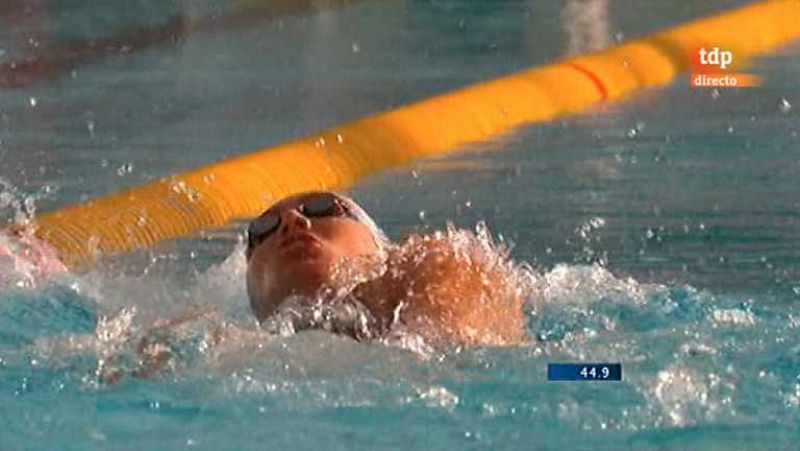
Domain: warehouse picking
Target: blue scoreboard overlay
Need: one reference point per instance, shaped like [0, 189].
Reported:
[584, 371]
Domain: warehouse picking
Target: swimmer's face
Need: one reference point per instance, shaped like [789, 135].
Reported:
[294, 246]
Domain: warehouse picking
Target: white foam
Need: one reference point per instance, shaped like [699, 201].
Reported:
[581, 284]
[734, 317]
[686, 396]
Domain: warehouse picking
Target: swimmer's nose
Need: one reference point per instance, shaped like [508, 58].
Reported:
[292, 220]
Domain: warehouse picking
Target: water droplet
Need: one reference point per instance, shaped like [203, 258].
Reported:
[650, 234]
[784, 105]
[730, 129]
[715, 94]
[632, 133]
[208, 178]
[320, 142]
[355, 47]
[104, 163]
[339, 138]
[125, 169]
[90, 127]
[619, 36]
[597, 222]
[422, 215]
[32, 101]
[179, 187]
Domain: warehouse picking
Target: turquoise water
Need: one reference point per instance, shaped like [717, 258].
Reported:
[663, 233]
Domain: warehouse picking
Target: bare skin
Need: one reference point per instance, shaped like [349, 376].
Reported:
[300, 256]
[446, 296]
[28, 255]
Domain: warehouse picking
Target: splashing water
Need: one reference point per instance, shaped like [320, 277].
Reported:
[690, 359]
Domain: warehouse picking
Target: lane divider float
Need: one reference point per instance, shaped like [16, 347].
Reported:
[244, 186]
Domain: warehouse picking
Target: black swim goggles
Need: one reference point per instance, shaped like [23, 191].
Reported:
[321, 205]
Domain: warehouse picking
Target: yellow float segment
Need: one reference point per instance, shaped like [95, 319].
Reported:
[333, 159]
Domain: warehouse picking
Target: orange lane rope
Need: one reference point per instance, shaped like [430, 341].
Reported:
[335, 158]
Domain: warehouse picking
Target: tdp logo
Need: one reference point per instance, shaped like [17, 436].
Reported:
[716, 57]
[709, 66]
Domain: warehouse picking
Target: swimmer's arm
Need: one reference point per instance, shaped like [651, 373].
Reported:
[28, 254]
[449, 297]
[153, 349]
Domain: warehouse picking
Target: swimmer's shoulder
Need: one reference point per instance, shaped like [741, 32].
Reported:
[449, 289]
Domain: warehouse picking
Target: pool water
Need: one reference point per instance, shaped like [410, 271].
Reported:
[662, 232]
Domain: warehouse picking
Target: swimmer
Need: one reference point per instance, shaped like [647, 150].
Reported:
[323, 246]
[317, 261]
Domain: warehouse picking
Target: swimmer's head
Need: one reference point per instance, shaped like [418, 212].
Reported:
[293, 247]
